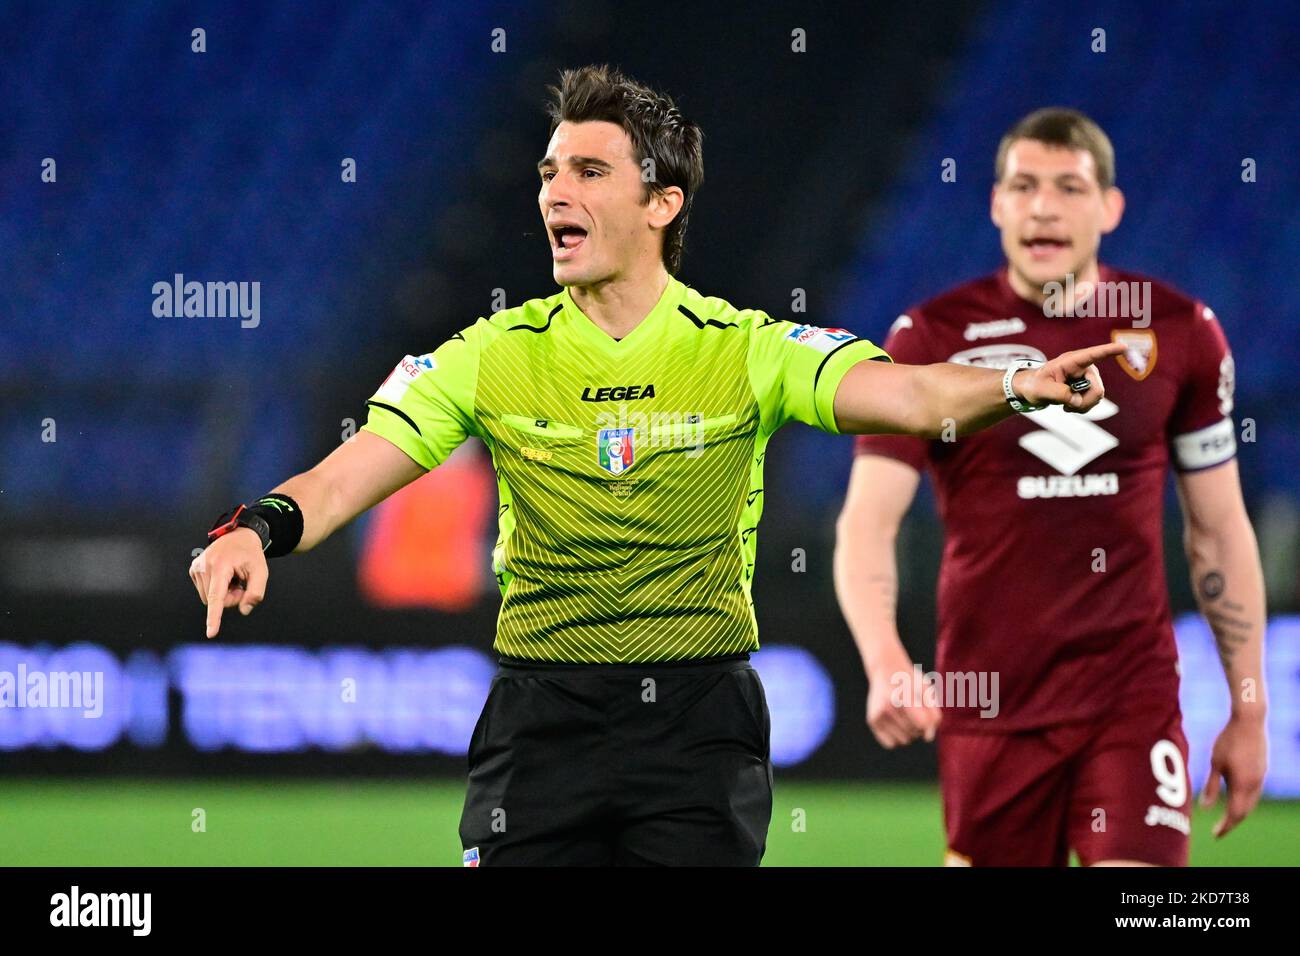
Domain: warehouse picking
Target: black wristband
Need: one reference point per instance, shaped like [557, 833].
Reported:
[284, 518]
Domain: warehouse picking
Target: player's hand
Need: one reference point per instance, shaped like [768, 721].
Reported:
[232, 570]
[1240, 757]
[892, 725]
[1051, 382]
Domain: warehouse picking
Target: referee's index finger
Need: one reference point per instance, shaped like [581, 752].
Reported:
[1095, 353]
[218, 585]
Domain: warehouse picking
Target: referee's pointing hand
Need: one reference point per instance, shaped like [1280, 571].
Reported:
[1051, 382]
[232, 570]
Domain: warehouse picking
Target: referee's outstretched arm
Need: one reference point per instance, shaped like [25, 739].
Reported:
[357, 475]
[877, 398]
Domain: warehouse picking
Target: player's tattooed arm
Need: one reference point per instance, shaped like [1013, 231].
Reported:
[866, 583]
[882, 588]
[1231, 631]
[866, 568]
[1229, 587]
[1227, 579]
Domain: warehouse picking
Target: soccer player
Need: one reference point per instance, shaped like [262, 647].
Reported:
[627, 416]
[1076, 741]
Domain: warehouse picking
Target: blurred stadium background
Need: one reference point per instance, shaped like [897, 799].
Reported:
[124, 434]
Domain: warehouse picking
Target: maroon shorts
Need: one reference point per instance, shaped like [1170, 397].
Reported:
[1113, 789]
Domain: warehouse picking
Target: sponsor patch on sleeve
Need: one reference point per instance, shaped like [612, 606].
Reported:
[823, 340]
[407, 371]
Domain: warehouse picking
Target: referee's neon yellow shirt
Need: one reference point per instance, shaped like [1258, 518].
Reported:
[630, 471]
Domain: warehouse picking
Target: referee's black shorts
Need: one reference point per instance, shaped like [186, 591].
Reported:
[620, 764]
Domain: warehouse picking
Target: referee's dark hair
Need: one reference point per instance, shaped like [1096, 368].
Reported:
[658, 132]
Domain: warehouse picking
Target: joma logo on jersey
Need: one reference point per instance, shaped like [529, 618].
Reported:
[1167, 817]
[619, 393]
[993, 330]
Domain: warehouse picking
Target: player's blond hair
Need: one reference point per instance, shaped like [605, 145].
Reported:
[1059, 126]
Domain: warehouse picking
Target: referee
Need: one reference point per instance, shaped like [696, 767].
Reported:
[627, 416]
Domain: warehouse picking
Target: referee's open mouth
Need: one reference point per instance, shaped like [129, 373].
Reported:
[566, 239]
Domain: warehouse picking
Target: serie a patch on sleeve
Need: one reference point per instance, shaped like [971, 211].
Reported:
[823, 340]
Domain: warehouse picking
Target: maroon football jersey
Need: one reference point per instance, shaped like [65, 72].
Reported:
[1053, 568]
